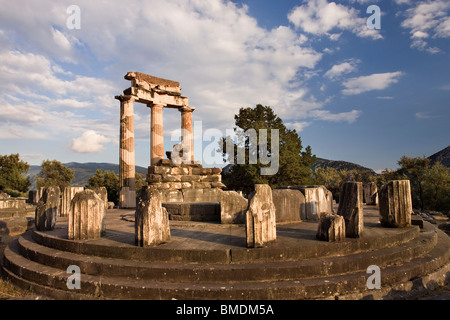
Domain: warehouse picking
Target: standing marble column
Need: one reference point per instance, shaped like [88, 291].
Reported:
[187, 138]
[127, 197]
[157, 134]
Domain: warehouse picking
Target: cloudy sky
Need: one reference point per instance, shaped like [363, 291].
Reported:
[353, 93]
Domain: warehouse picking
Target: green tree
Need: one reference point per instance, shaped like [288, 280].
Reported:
[96, 181]
[12, 179]
[416, 169]
[54, 173]
[294, 164]
[436, 188]
[112, 185]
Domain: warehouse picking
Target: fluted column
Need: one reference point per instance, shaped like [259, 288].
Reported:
[157, 134]
[127, 197]
[187, 137]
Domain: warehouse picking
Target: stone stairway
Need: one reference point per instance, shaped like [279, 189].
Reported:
[411, 260]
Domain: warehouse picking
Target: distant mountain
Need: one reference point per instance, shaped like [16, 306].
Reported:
[442, 156]
[83, 171]
[339, 165]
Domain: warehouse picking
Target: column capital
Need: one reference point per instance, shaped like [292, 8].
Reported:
[186, 109]
[156, 105]
[123, 98]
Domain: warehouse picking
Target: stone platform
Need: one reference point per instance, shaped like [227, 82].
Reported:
[207, 260]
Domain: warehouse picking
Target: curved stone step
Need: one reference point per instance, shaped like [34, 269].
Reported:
[209, 273]
[378, 239]
[312, 288]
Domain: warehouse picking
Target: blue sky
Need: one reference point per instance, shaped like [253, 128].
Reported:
[354, 94]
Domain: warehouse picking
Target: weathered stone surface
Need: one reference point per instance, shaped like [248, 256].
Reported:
[261, 218]
[66, 200]
[370, 189]
[151, 219]
[233, 207]
[350, 207]
[47, 209]
[318, 199]
[103, 194]
[86, 216]
[395, 204]
[193, 211]
[331, 228]
[288, 204]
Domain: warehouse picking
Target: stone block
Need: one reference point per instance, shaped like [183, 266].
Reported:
[87, 216]
[261, 218]
[331, 228]
[288, 204]
[351, 208]
[370, 189]
[47, 209]
[127, 198]
[395, 204]
[151, 219]
[67, 196]
[102, 192]
[318, 199]
[218, 185]
[151, 178]
[188, 211]
[233, 207]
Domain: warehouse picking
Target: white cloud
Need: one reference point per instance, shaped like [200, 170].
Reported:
[89, 142]
[377, 81]
[423, 115]
[385, 98]
[343, 68]
[326, 115]
[320, 17]
[428, 19]
[299, 126]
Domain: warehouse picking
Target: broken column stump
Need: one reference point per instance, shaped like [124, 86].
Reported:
[261, 218]
[395, 204]
[66, 200]
[151, 219]
[331, 228]
[86, 216]
[233, 207]
[47, 209]
[351, 208]
[369, 193]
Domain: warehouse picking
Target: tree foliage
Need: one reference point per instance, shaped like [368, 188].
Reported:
[12, 170]
[54, 173]
[294, 162]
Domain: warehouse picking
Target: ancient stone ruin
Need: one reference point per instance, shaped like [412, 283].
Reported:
[350, 207]
[86, 216]
[218, 244]
[47, 209]
[157, 94]
[261, 218]
[331, 228]
[151, 219]
[66, 200]
[395, 204]
[370, 193]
